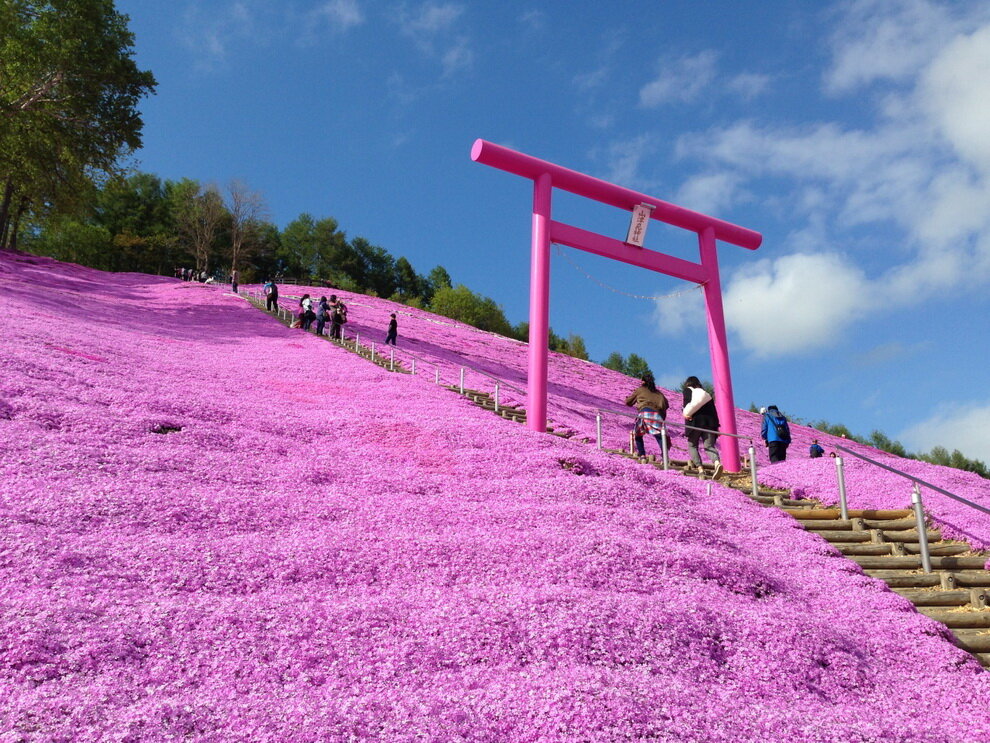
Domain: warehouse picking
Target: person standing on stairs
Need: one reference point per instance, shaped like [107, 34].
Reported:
[651, 407]
[393, 331]
[775, 432]
[700, 412]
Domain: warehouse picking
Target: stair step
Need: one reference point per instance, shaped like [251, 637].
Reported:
[865, 549]
[958, 618]
[904, 579]
[843, 536]
[973, 640]
[927, 597]
[913, 562]
[855, 513]
[891, 524]
[942, 549]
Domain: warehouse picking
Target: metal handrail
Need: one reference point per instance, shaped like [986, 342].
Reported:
[916, 502]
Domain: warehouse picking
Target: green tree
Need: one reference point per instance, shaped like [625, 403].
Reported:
[408, 283]
[460, 303]
[636, 366]
[615, 362]
[69, 90]
[576, 347]
[438, 278]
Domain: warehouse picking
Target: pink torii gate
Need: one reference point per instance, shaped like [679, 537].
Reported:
[547, 176]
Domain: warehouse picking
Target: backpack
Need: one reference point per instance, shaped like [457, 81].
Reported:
[779, 424]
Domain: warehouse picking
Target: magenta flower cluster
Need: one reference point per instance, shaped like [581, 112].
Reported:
[216, 528]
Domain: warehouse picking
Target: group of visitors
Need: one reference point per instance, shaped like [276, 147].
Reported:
[702, 424]
[700, 417]
[332, 312]
[191, 274]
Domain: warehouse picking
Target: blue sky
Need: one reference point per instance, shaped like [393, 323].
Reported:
[854, 135]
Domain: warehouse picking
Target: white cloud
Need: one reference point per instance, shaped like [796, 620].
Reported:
[749, 85]
[624, 159]
[795, 304]
[679, 80]
[955, 91]
[433, 29]
[533, 20]
[710, 193]
[961, 426]
[458, 57]
[210, 35]
[680, 313]
[340, 15]
[884, 40]
[429, 21]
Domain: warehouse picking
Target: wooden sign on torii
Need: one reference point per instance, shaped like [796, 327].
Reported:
[547, 176]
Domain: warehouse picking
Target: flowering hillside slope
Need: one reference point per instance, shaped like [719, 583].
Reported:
[216, 528]
[578, 388]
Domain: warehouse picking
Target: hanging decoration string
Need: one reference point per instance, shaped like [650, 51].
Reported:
[602, 284]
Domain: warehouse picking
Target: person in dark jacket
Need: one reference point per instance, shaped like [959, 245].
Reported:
[816, 450]
[322, 314]
[393, 331]
[651, 407]
[700, 412]
[271, 296]
[775, 432]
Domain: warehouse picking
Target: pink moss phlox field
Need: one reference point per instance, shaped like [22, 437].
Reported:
[217, 528]
[578, 388]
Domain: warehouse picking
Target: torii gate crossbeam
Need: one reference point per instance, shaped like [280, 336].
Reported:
[546, 176]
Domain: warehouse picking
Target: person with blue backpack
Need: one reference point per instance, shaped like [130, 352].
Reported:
[775, 432]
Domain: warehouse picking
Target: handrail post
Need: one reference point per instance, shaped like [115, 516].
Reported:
[598, 428]
[462, 380]
[372, 350]
[357, 340]
[436, 377]
[496, 397]
[841, 475]
[414, 366]
[664, 448]
[391, 359]
[919, 515]
[632, 442]
[752, 469]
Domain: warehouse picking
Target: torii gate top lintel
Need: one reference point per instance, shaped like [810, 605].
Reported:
[527, 166]
[546, 176]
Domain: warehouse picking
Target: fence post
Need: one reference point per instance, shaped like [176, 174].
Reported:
[357, 340]
[496, 397]
[919, 515]
[841, 474]
[436, 377]
[414, 366]
[372, 350]
[632, 442]
[664, 446]
[462, 380]
[598, 428]
[752, 469]
[391, 359]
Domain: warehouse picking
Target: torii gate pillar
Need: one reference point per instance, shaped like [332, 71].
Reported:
[546, 176]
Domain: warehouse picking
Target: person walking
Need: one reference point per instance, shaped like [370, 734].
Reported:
[700, 412]
[651, 411]
[775, 432]
[393, 331]
[271, 296]
[235, 276]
